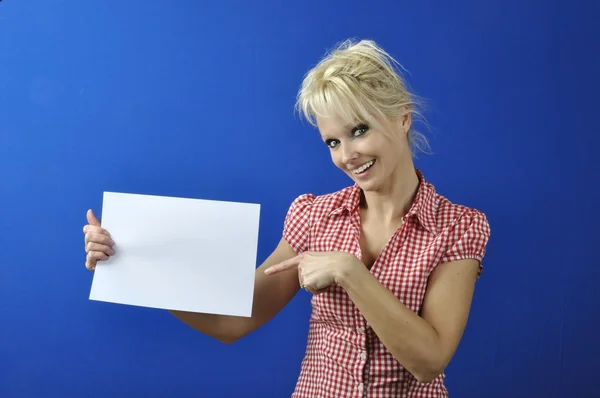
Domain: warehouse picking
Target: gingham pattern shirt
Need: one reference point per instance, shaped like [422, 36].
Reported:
[344, 357]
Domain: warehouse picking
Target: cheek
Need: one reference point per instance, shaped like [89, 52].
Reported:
[336, 159]
[391, 149]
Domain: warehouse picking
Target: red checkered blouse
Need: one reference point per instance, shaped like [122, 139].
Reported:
[344, 357]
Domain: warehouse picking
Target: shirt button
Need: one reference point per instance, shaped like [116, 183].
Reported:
[363, 355]
[361, 330]
[361, 387]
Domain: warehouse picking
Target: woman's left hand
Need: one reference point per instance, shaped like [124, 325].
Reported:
[317, 270]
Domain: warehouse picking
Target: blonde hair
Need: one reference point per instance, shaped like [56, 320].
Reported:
[358, 80]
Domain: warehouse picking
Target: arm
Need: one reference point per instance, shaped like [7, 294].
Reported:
[271, 294]
[423, 345]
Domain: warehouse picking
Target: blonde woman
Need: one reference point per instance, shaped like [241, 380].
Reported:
[391, 263]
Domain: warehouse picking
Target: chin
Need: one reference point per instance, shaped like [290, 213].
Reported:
[367, 185]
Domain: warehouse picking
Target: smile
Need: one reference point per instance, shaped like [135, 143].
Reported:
[364, 167]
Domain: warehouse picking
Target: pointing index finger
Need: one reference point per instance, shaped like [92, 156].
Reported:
[284, 265]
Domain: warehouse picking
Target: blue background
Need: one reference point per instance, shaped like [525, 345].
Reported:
[195, 99]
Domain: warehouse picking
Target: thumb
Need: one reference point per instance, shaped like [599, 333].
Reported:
[92, 220]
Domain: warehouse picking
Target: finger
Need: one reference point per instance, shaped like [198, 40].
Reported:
[93, 257]
[92, 219]
[305, 282]
[284, 265]
[314, 284]
[98, 238]
[93, 228]
[90, 263]
[309, 288]
[97, 247]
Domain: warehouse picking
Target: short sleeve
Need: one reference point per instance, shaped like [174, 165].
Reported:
[468, 238]
[297, 222]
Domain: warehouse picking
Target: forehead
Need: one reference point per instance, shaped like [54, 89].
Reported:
[333, 125]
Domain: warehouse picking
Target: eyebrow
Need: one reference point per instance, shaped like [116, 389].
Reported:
[358, 126]
[349, 128]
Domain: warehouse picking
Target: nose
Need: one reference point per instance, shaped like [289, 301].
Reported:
[349, 152]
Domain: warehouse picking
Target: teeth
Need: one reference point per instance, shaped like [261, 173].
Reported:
[363, 167]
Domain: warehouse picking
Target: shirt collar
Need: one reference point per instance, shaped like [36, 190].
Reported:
[422, 207]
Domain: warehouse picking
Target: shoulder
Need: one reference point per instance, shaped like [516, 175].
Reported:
[462, 231]
[439, 213]
[448, 214]
[306, 209]
[465, 230]
[317, 205]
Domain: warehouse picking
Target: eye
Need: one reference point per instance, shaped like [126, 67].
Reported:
[359, 130]
[332, 143]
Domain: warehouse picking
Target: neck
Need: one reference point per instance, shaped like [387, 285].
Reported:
[390, 203]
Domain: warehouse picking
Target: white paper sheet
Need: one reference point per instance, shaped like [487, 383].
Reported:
[177, 253]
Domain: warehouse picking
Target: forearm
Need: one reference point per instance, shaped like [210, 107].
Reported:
[229, 329]
[271, 294]
[409, 338]
[226, 329]
[269, 298]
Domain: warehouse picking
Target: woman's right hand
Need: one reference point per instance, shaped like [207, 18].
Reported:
[98, 243]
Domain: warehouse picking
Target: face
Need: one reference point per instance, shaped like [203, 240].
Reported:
[368, 155]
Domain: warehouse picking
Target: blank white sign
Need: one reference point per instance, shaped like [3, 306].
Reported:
[179, 254]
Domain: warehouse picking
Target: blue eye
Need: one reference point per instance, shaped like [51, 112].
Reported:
[360, 130]
[357, 131]
[332, 143]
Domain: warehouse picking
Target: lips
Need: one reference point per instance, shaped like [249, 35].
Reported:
[364, 167]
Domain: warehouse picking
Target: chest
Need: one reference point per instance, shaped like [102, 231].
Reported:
[401, 257]
[373, 240]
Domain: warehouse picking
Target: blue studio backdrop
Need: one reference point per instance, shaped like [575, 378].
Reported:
[195, 99]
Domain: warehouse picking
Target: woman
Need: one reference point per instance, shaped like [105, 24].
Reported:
[392, 264]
